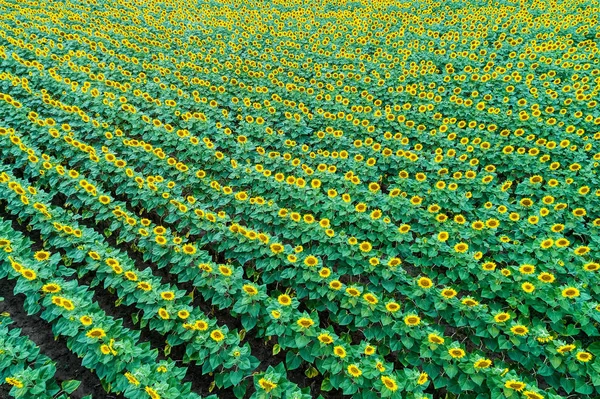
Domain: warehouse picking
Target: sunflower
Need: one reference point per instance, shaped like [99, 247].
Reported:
[183, 314]
[14, 382]
[519, 330]
[527, 269]
[284, 300]
[557, 228]
[532, 395]
[339, 351]
[353, 291]
[526, 202]
[403, 229]
[448, 293]
[189, 249]
[132, 380]
[29, 274]
[468, 301]
[584, 356]
[489, 266]
[582, 250]
[502, 317]
[152, 393]
[162, 312]
[482, 364]
[423, 377]
[67, 304]
[360, 207]
[41, 255]
[266, 385]
[546, 277]
[514, 384]
[570, 292]
[528, 287]
[325, 338]
[461, 247]
[335, 285]
[217, 335]
[456, 353]
[416, 200]
[305, 322]
[591, 267]
[201, 325]
[144, 286]
[565, 348]
[167, 295]
[104, 199]
[412, 320]
[96, 333]
[365, 246]
[392, 307]
[435, 339]
[311, 261]
[374, 187]
[492, 223]
[131, 276]
[460, 219]
[478, 225]
[324, 272]
[354, 371]
[425, 283]
[250, 289]
[276, 248]
[389, 383]
[393, 262]
[370, 298]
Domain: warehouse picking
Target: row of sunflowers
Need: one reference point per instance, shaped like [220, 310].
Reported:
[25, 369]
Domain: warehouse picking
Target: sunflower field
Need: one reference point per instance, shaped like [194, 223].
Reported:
[300, 199]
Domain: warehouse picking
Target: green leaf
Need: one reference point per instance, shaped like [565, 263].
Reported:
[292, 360]
[594, 348]
[451, 370]
[555, 361]
[70, 386]
[236, 376]
[311, 372]
[276, 349]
